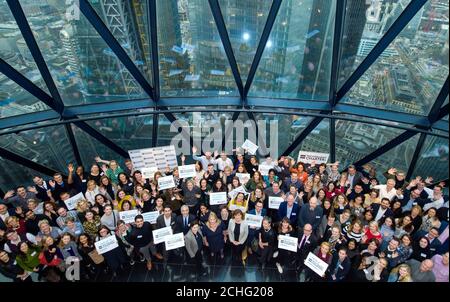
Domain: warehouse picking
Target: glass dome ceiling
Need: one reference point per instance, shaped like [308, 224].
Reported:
[366, 81]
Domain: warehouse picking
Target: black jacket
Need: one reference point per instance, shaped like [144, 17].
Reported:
[308, 246]
[179, 224]
[160, 223]
[140, 237]
[342, 270]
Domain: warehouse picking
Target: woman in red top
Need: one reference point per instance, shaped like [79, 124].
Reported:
[331, 190]
[300, 169]
[371, 232]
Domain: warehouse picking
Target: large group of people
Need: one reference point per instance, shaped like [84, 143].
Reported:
[364, 228]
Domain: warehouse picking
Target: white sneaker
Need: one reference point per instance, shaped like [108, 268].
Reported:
[280, 269]
[275, 255]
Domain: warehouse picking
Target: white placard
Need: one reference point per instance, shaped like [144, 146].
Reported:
[159, 157]
[106, 245]
[308, 157]
[274, 202]
[166, 182]
[174, 241]
[254, 220]
[71, 203]
[151, 216]
[316, 264]
[217, 198]
[128, 216]
[234, 192]
[264, 169]
[287, 243]
[250, 147]
[149, 173]
[187, 171]
[233, 207]
[160, 234]
[243, 177]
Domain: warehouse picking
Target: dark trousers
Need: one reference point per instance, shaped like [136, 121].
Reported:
[236, 253]
[266, 254]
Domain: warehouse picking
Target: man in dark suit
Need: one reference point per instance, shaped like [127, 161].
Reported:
[42, 187]
[254, 231]
[381, 211]
[354, 177]
[183, 221]
[168, 219]
[289, 209]
[339, 267]
[307, 242]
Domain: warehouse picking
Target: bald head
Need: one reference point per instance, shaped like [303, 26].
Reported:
[426, 265]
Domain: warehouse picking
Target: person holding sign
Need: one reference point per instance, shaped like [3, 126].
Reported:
[194, 244]
[116, 257]
[323, 252]
[306, 244]
[238, 233]
[284, 257]
[141, 238]
[239, 202]
[168, 219]
[253, 231]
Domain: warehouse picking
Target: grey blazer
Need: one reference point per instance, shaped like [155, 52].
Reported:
[243, 234]
[191, 243]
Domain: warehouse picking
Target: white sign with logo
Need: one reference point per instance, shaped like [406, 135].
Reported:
[174, 241]
[243, 177]
[71, 203]
[159, 157]
[106, 245]
[250, 147]
[287, 243]
[217, 198]
[166, 182]
[159, 235]
[148, 173]
[187, 171]
[128, 216]
[234, 192]
[274, 202]
[151, 216]
[264, 169]
[309, 157]
[254, 220]
[316, 264]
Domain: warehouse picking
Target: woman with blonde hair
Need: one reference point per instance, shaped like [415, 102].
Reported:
[213, 235]
[323, 252]
[401, 273]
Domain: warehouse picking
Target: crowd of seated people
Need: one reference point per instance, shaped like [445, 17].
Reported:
[364, 228]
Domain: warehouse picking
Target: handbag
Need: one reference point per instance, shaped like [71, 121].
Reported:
[96, 257]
